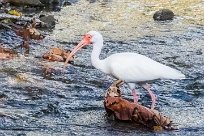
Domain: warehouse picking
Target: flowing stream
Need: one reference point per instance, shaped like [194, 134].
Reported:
[32, 103]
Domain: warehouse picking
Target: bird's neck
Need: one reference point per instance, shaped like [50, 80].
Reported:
[95, 57]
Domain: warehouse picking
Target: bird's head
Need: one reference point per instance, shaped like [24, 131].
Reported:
[89, 38]
[93, 37]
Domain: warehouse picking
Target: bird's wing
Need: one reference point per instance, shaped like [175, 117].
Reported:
[133, 67]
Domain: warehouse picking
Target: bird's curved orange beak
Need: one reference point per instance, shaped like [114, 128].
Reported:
[85, 41]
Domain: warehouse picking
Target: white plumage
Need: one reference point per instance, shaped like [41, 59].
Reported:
[129, 67]
[133, 67]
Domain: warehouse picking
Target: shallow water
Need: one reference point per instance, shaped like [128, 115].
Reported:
[33, 103]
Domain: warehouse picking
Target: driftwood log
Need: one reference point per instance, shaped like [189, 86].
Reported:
[124, 110]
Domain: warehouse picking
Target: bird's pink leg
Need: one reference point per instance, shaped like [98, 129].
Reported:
[153, 96]
[135, 96]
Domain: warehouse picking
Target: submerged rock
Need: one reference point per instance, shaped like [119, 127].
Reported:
[163, 14]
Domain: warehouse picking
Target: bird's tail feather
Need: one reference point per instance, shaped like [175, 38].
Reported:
[171, 73]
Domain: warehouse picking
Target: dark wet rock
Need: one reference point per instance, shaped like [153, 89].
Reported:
[22, 134]
[51, 109]
[181, 63]
[34, 92]
[49, 21]
[26, 2]
[59, 2]
[46, 1]
[50, 1]
[29, 9]
[66, 3]
[195, 86]
[48, 72]
[3, 96]
[54, 5]
[69, 1]
[163, 14]
[199, 52]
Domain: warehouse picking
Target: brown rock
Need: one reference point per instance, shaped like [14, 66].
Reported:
[57, 54]
[6, 53]
[28, 32]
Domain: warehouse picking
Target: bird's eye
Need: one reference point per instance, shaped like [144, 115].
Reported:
[88, 36]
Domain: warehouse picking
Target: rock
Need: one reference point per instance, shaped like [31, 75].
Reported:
[50, 1]
[49, 20]
[6, 53]
[163, 14]
[56, 5]
[53, 57]
[26, 2]
[29, 9]
[52, 4]
[5, 16]
[26, 32]
[57, 54]
[66, 3]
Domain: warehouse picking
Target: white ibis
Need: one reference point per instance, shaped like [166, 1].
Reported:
[130, 67]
